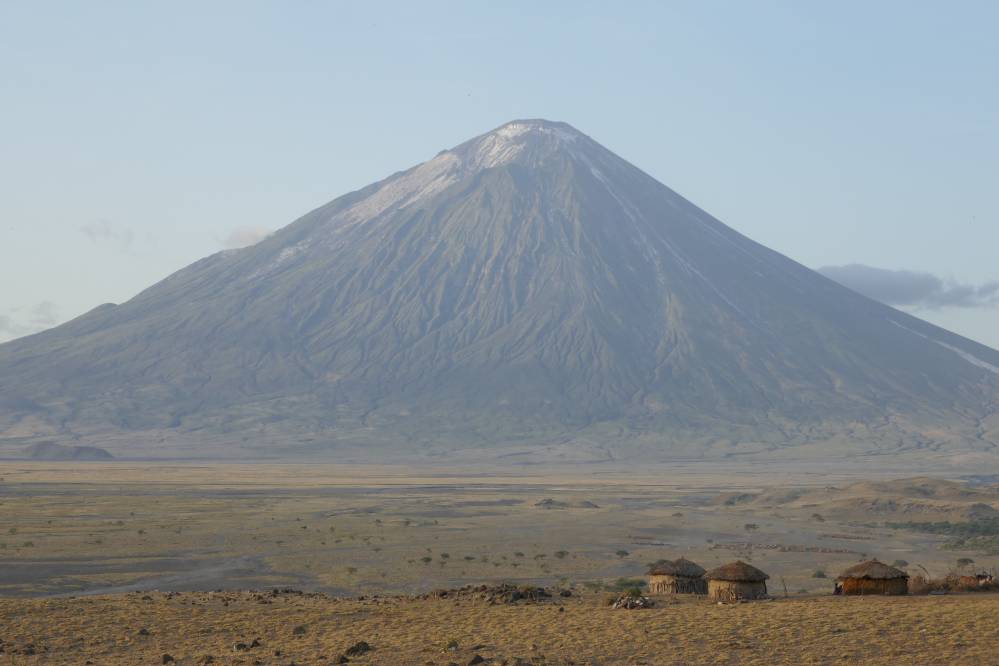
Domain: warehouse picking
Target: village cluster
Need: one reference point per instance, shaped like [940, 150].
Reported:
[738, 581]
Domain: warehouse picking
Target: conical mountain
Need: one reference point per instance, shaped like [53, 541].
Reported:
[525, 288]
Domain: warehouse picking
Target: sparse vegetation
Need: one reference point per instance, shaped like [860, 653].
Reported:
[974, 528]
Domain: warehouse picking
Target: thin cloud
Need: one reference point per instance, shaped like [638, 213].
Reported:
[103, 231]
[913, 288]
[26, 321]
[45, 314]
[245, 236]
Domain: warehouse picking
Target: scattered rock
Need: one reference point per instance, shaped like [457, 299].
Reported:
[629, 601]
[299, 630]
[167, 659]
[240, 647]
[357, 649]
[477, 659]
[143, 632]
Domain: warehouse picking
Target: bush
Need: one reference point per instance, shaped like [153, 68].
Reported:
[981, 527]
[900, 564]
[624, 584]
[622, 553]
[819, 573]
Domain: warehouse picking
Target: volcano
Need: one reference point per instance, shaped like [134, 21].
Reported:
[526, 291]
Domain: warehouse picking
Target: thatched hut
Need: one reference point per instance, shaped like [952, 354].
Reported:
[873, 577]
[736, 581]
[677, 577]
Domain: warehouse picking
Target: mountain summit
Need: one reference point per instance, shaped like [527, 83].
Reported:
[525, 291]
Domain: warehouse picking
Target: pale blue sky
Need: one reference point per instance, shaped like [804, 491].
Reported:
[138, 136]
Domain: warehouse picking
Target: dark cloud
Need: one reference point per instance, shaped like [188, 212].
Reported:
[102, 231]
[912, 288]
[245, 236]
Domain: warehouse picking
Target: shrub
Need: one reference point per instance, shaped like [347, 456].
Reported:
[622, 553]
[622, 584]
[561, 554]
[819, 573]
[900, 564]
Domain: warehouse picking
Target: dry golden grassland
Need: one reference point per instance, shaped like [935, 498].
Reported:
[140, 628]
[114, 527]
[106, 530]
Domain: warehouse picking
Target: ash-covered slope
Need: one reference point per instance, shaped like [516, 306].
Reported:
[527, 287]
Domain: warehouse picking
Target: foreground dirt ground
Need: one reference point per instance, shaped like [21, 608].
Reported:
[248, 628]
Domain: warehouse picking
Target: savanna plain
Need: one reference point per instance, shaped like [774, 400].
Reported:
[190, 563]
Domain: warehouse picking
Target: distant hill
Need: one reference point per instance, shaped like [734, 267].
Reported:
[53, 451]
[525, 296]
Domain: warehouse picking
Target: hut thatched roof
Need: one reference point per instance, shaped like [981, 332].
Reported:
[738, 572]
[681, 567]
[873, 570]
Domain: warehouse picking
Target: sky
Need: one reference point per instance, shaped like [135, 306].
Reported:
[861, 138]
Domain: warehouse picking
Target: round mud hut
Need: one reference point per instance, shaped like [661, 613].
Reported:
[736, 581]
[677, 577]
[873, 577]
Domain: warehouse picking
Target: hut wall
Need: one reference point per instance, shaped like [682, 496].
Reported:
[860, 586]
[726, 590]
[660, 584]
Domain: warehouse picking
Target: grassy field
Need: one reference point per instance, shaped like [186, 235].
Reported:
[298, 629]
